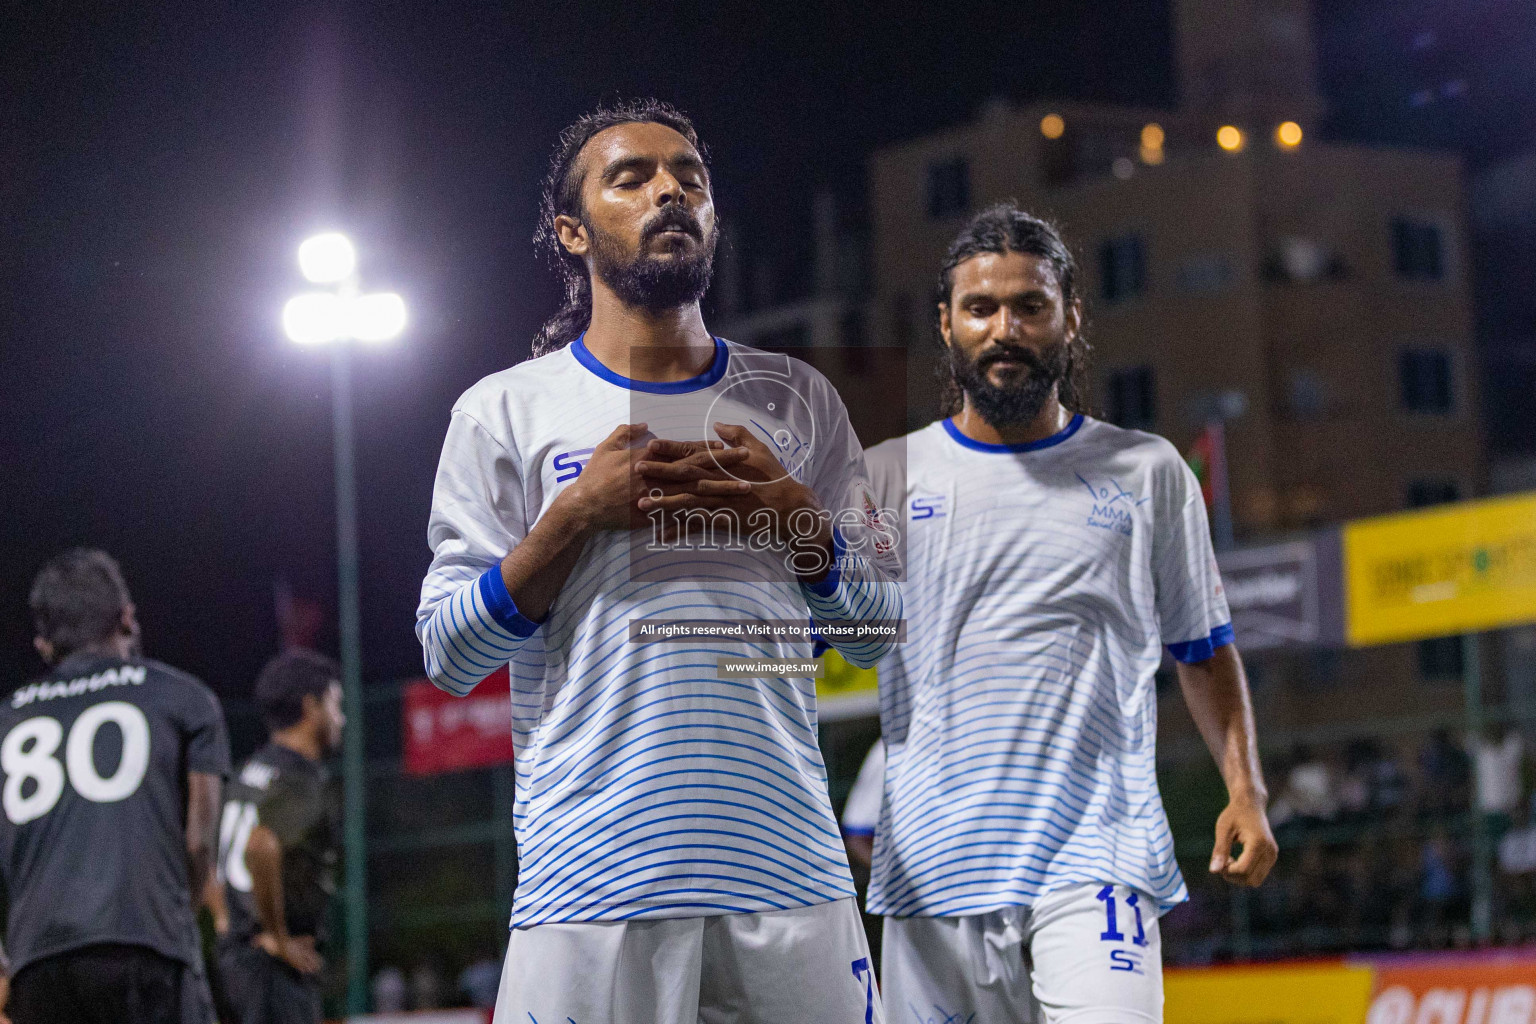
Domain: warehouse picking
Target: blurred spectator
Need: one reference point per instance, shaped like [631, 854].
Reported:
[1308, 794]
[479, 982]
[388, 990]
[1439, 889]
[1499, 759]
[1517, 850]
[1445, 775]
[1355, 784]
[1373, 782]
[426, 988]
[1515, 892]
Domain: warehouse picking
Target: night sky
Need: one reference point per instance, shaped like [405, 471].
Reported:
[157, 170]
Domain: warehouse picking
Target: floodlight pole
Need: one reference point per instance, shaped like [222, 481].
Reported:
[354, 764]
[1482, 840]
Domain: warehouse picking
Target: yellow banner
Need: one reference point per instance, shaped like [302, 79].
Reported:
[1458, 569]
[846, 691]
[1328, 993]
[843, 679]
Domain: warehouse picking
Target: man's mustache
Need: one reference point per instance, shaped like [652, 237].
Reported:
[1016, 355]
[673, 218]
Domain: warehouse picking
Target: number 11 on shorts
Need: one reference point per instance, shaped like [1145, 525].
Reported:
[1122, 959]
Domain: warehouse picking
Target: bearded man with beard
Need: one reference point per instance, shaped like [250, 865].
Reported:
[678, 857]
[1022, 855]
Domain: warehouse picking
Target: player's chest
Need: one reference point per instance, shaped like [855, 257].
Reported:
[971, 519]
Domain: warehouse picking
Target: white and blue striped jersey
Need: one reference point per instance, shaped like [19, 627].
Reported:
[1020, 716]
[646, 786]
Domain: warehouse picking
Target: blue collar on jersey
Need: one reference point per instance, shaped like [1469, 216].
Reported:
[671, 387]
[1028, 446]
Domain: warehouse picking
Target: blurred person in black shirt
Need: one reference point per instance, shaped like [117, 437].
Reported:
[278, 847]
[113, 765]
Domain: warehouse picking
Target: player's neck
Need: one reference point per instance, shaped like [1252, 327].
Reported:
[1052, 419]
[646, 344]
[300, 740]
[120, 647]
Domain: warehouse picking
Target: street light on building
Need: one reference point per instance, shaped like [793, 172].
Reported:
[338, 316]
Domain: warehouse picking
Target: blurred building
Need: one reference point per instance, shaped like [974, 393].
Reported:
[1457, 76]
[820, 316]
[1233, 261]
[1503, 215]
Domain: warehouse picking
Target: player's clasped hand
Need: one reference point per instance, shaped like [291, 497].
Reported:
[603, 496]
[746, 477]
[1245, 824]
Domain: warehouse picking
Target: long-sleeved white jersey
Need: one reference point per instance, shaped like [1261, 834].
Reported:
[647, 786]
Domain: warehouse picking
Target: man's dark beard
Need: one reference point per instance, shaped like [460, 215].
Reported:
[1018, 402]
[648, 281]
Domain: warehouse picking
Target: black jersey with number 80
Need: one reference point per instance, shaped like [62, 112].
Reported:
[93, 805]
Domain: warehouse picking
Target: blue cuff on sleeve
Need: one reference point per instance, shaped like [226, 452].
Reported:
[1192, 651]
[818, 645]
[859, 830]
[493, 591]
[828, 585]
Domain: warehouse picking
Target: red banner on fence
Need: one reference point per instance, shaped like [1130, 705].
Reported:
[444, 733]
[1497, 987]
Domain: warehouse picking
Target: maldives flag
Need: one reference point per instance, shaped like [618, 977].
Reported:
[1202, 458]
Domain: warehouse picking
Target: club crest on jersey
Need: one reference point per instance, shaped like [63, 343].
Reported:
[568, 465]
[1113, 506]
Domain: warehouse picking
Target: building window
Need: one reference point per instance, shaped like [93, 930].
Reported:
[1423, 493]
[1207, 273]
[1418, 251]
[1441, 658]
[1426, 380]
[1307, 396]
[1296, 260]
[949, 187]
[1133, 398]
[1122, 268]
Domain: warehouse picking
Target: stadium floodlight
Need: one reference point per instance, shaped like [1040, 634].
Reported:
[377, 317]
[318, 318]
[335, 317]
[315, 318]
[327, 258]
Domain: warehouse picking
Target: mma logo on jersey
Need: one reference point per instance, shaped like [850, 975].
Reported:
[568, 465]
[1113, 506]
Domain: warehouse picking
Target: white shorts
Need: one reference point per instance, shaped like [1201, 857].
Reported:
[1088, 954]
[809, 965]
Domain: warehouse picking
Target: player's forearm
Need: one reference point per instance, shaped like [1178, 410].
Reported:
[1216, 691]
[264, 861]
[479, 625]
[202, 814]
[854, 591]
[536, 570]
